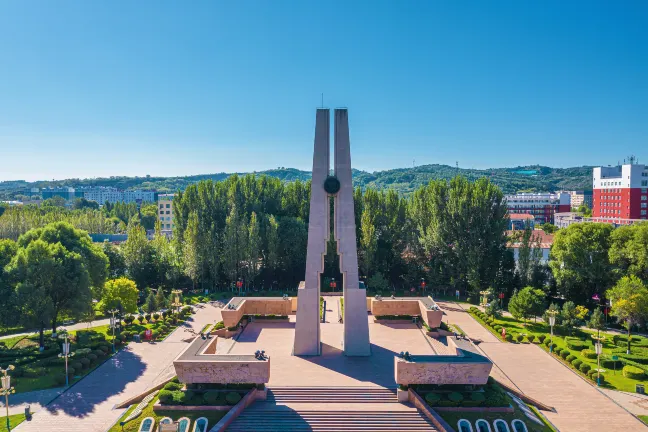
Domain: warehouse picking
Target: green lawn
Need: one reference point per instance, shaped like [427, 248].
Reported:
[14, 420]
[614, 380]
[643, 418]
[133, 426]
[453, 417]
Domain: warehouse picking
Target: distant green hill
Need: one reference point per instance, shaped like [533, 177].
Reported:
[404, 180]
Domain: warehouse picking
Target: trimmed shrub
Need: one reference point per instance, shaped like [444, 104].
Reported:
[140, 319]
[542, 338]
[76, 365]
[531, 338]
[455, 397]
[508, 337]
[585, 368]
[498, 328]
[596, 377]
[148, 317]
[633, 372]
[570, 358]
[519, 338]
[71, 371]
[557, 349]
[213, 397]
[432, 398]
[608, 363]
[92, 357]
[172, 386]
[156, 316]
[60, 379]
[576, 363]
[232, 398]
[98, 353]
[477, 397]
[642, 359]
[85, 362]
[565, 353]
[166, 396]
[588, 354]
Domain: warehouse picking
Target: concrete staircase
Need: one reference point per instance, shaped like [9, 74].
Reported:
[330, 409]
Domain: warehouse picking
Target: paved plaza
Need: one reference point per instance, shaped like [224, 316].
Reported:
[332, 367]
[580, 407]
[88, 405]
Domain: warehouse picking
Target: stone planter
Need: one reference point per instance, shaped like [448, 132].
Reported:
[159, 407]
[403, 395]
[224, 333]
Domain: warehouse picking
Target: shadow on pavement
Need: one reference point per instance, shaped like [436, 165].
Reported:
[107, 380]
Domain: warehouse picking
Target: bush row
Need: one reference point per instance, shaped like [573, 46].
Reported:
[191, 397]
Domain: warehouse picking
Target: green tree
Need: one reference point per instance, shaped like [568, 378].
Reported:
[569, 317]
[529, 256]
[549, 228]
[629, 299]
[191, 249]
[629, 250]
[234, 245]
[579, 260]
[552, 310]
[116, 262]
[51, 280]
[139, 257]
[253, 250]
[597, 321]
[378, 283]
[8, 249]
[55, 201]
[82, 203]
[151, 305]
[494, 309]
[160, 299]
[121, 294]
[526, 303]
[460, 227]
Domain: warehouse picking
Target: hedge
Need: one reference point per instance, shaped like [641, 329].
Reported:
[570, 358]
[588, 353]
[531, 338]
[165, 396]
[432, 398]
[232, 398]
[633, 372]
[172, 386]
[455, 397]
[576, 345]
[635, 358]
[565, 353]
[577, 362]
[542, 338]
[585, 368]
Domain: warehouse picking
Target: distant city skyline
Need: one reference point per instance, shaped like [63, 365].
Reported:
[129, 89]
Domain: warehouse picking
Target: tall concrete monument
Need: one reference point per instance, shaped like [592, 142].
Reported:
[356, 325]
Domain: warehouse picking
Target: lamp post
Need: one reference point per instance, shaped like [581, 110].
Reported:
[599, 349]
[484, 297]
[176, 303]
[65, 353]
[7, 390]
[113, 324]
[552, 321]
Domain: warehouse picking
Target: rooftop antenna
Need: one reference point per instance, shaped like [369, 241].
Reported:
[413, 163]
[457, 166]
[322, 100]
[632, 159]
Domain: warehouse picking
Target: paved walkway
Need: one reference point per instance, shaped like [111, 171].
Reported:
[78, 326]
[88, 405]
[580, 407]
[36, 400]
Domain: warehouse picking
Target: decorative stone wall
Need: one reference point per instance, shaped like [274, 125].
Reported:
[223, 371]
[257, 306]
[388, 306]
[443, 370]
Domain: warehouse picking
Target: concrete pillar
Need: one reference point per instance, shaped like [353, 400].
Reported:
[307, 326]
[356, 322]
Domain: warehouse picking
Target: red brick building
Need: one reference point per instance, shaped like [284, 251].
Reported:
[620, 192]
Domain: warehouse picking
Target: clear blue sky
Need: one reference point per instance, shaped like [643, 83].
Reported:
[92, 88]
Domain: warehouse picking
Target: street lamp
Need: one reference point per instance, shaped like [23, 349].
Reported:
[113, 324]
[176, 303]
[484, 299]
[7, 390]
[65, 353]
[599, 350]
[552, 321]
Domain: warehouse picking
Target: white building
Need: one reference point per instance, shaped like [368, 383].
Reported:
[165, 212]
[112, 195]
[542, 206]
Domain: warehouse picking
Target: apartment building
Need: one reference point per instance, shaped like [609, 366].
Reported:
[542, 206]
[165, 212]
[620, 193]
